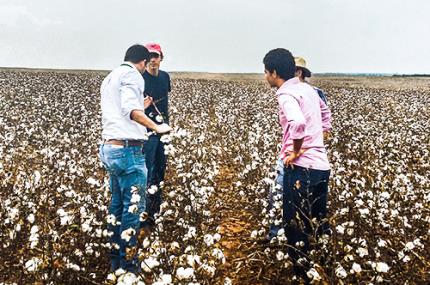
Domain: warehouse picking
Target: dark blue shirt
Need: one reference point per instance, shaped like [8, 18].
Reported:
[158, 87]
[321, 94]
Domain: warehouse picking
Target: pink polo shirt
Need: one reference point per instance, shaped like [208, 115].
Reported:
[303, 115]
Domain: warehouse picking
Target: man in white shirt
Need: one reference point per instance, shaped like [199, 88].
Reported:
[124, 126]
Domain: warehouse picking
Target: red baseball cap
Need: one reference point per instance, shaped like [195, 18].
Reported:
[153, 47]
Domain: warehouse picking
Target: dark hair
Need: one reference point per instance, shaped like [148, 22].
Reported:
[136, 53]
[282, 61]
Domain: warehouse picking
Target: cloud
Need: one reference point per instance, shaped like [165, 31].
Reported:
[18, 15]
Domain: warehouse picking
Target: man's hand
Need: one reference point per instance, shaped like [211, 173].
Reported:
[147, 101]
[163, 128]
[292, 156]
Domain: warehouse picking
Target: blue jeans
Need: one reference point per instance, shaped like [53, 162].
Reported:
[279, 182]
[156, 165]
[305, 198]
[126, 168]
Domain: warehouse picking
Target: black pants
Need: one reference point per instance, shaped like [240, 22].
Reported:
[156, 165]
[305, 198]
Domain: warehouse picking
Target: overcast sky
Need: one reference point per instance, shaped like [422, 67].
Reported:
[382, 36]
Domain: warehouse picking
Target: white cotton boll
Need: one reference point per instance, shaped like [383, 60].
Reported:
[146, 243]
[209, 270]
[174, 246]
[111, 219]
[61, 212]
[356, 267]
[280, 255]
[66, 220]
[409, 246]
[92, 181]
[406, 259]
[135, 198]
[218, 254]
[34, 230]
[120, 272]
[31, 218]
[362, 251]
[166, 278]
[99, 232]
[159, 118]
[385, 195]
[107, 233]
[111, 277]
[340, 272]
[185, 273]
[340, 229]
[193, 260]
[217, 237]
[166, 139]
[344, 211]
[314, 275]
[33, 264]
[189, 248]
[164, 206]
[382, 267]
[153, 189]
[73, 266]
[37, 177]
[133, 209]
[13, 213]
[127, 234]
[364, 212]
[143, 216]
[192, 232]
[134, 189]
[128, 278]
[149, 264]
[208, 239]
[86, 227]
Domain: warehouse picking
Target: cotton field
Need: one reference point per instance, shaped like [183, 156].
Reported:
[54, 193]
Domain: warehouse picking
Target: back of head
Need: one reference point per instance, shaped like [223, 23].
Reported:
[282, 61]
[136, 53]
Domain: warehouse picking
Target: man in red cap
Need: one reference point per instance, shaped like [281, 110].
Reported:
[157, 86]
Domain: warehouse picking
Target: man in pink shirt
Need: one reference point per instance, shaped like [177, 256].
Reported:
[303, 117]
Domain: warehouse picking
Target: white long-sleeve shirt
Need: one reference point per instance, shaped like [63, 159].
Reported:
[121, 93]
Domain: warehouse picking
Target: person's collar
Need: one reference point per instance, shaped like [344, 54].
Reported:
[129, 64]
[154, 75]
[290, 81]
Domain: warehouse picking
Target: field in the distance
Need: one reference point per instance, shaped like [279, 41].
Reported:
[54, 194]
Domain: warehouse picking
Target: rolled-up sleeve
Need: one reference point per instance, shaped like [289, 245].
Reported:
[130, 90]
[296, 119]
[325, 116]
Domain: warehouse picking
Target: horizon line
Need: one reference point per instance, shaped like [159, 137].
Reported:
[211, 72]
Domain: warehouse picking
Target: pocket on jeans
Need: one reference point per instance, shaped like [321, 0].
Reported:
[111, 152]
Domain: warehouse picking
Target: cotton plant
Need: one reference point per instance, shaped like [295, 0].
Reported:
[55, 193]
